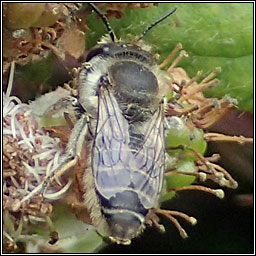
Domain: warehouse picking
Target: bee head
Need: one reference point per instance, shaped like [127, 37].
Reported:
[129, 69]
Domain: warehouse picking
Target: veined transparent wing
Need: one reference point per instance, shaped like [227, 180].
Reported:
[110, 153]
[150, 160]
[116, 167]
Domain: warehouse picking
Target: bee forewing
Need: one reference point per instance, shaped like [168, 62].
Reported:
[110, 149]
[150, 158]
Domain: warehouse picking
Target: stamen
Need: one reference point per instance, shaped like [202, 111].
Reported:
[181, 172]
[32, 193]
[199, 88]
[160, 227]
[189, 219]
[32, 171]
[225, 138]
[182, 231]
[232, 183]
[211, 75]
[195, 78]
[8, 236]
[181, 112]
[15, 183]
[17, 233]
[171, 55]
[36, 219]
[177, 60]
[10, 82]
[58, 194]
[217, 192]
[212, 117]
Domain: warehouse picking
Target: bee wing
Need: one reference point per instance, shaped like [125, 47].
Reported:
[110, 153]
[150, 161]
[115, 166]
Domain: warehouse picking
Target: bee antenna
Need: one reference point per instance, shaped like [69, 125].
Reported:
[105, 21]
[156, 22]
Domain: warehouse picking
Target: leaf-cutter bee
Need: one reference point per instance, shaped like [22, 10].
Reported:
[121, 95]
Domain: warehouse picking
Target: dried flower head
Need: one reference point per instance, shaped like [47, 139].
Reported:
[117, 9]
[29, 154]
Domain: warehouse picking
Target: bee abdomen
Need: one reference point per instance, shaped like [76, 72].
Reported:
[127, 200]
[125, 215]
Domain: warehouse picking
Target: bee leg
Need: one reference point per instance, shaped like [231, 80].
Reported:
[171, 215]
[68, 120]
[72, 152]
[67, 102]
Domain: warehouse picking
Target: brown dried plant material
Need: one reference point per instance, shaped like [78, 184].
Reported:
[202, 111]
[15, 14]
[116, 10]
[28, 154]
[72, 42]
[122, 6]
[188, 101]
[34, 38]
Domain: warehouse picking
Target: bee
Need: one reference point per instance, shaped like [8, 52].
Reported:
[121, 103]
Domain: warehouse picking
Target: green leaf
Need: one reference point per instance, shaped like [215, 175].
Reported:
[74, 235]
[38, 71]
